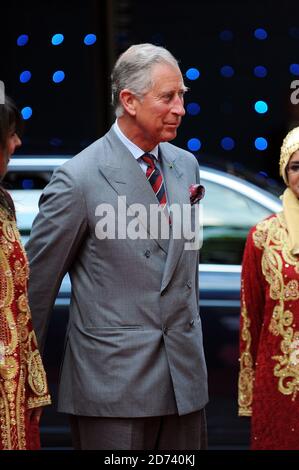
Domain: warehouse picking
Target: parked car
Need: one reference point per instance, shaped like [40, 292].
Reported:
[230, 207]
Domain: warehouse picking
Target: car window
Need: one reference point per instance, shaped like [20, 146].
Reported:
[27, 179]
[227, 218]
[26, 204]
[25, 187]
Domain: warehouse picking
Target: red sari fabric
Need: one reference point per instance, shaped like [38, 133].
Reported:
[23, 384]
[269, 337]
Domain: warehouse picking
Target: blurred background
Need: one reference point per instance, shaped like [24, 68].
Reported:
[240, 60]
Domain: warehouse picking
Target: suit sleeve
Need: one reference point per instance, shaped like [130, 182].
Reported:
[252, 312]
[56, 235]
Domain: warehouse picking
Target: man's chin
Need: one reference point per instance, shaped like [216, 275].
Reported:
[170, 135]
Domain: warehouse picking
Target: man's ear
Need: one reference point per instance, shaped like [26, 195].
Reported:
[128, 100]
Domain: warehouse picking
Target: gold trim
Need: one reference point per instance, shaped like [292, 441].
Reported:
[23, 382]
[246, 375]
[275, 255]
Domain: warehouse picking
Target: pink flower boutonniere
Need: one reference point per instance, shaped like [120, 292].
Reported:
[197, 192]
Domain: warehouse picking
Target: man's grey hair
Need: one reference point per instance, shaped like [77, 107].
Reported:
[133, 71]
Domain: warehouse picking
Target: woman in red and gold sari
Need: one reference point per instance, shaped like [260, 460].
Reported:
[269, 335]
[23, 385]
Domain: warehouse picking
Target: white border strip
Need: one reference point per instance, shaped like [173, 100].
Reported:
[220, 268]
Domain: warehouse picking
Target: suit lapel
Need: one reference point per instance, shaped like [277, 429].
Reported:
[177, 193]
[124, 174]
[126, 177]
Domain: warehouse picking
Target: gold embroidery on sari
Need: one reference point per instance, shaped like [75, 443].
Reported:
[21, 364]
[36, 374]
[275, 254]
[246, 376]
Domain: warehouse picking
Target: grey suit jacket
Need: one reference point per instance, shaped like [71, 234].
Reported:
[134, 340]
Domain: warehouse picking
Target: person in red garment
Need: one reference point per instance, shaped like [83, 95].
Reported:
[23, 385]
[269, 334]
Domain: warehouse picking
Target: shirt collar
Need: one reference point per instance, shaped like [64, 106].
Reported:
[133, 148]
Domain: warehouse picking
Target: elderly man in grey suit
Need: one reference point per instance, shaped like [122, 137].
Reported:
[133, 375]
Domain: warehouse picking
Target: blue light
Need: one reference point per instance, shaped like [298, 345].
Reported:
[260, 143]
[294, 69]
[90, 39]
[25, 76]
[194, 144]
[56, 142]
[192, 74]
[261, 107]
[58, 76]
[26, 113]
[264, 174]
[22, 40]
[226, 35]
[260, 71]
[227, 143]
[27, 184]
[193, 109]
[57, 39]
[260, 33]
[227, 71]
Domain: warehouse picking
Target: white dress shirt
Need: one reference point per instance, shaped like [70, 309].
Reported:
[134, 149]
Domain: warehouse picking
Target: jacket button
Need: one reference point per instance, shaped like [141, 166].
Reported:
[165, 330]
[191, 323]
[147, 253]
[189, 284]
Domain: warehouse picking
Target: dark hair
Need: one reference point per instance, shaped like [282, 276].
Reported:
[10, 120]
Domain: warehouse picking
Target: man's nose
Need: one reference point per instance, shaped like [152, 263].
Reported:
[178, 107]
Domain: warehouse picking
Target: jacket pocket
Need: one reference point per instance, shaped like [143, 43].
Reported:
[103, 329]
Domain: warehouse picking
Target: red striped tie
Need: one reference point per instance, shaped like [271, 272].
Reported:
[155, 178]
